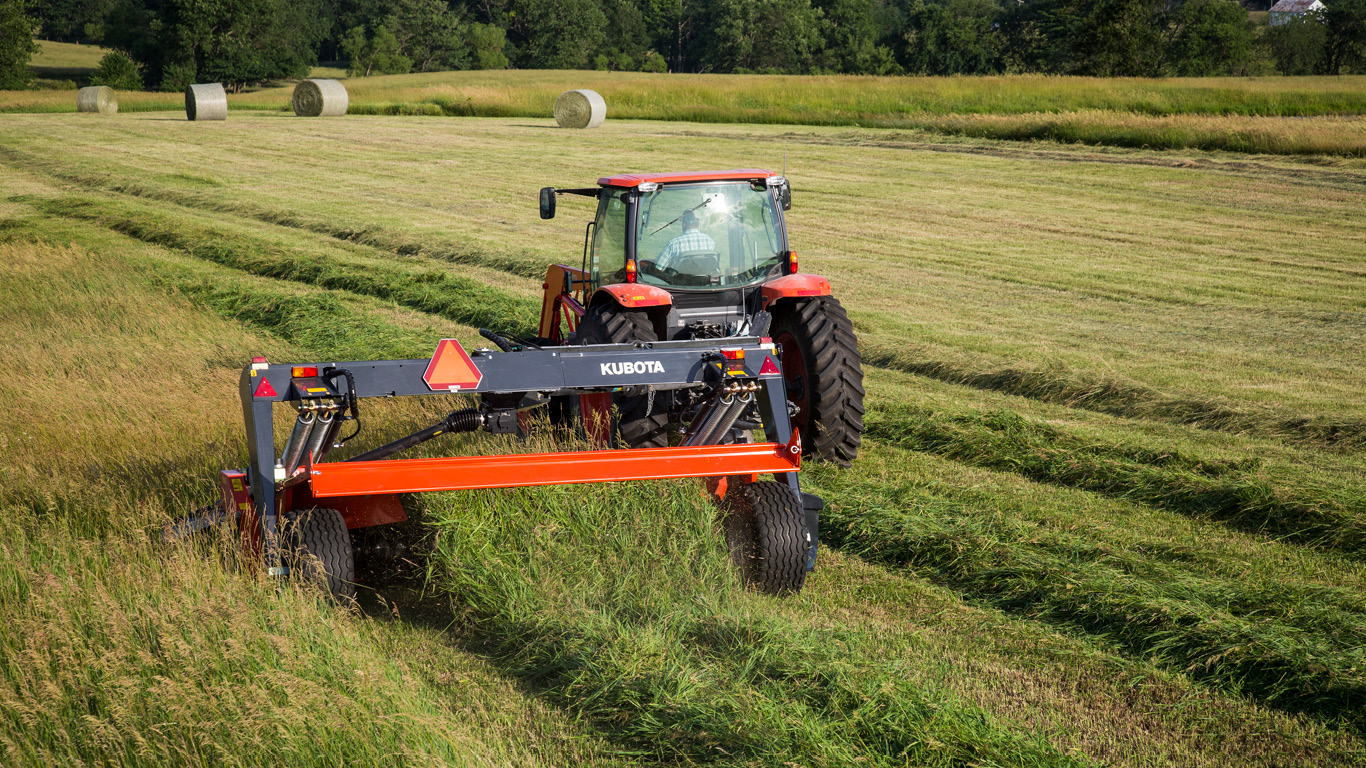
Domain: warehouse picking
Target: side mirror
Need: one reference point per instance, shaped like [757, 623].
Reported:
[785, 195]
[547, 202]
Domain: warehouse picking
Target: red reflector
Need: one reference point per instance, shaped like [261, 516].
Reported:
[792, 262]
[768, 369]
[734, 354]
[303, 371]
[631, 271]
[264, 389]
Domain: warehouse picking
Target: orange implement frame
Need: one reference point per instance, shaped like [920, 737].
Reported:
[562, 305]
[520, 470]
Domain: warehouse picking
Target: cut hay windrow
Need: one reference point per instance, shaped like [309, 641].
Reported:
[1290, 645]
[99, 99]
[1116, 397]
[437, 292]
[1231, 492]
[317, 97]
[206, 101]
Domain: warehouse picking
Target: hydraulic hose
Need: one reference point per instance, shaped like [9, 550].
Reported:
[464, 420]
[352, 402]
[502, 343]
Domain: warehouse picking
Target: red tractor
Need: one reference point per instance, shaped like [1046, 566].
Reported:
[675, 256]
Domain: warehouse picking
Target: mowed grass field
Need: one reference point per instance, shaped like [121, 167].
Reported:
[1109, 512]
[1274, 115]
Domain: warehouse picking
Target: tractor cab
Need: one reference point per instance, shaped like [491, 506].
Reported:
[703, 255]
[689, 235]
[695, 249]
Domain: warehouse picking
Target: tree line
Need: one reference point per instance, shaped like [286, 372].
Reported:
[169, 43]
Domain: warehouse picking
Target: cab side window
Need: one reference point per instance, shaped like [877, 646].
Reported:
[609, 240]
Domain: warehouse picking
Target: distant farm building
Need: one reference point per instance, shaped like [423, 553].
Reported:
[1287, 11]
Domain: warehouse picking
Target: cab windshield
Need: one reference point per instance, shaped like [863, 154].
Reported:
[707, 235]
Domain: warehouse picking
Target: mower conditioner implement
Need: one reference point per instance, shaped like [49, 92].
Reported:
[294, 507]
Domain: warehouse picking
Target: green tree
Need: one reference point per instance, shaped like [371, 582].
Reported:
[229, 41]
[71, 20]
[486, 44]
[1119, 38]
[1345, 51]
[950, 39]
[1105, 38]
[429, 33]
[853, 32]
[375, 55]
[654, 62]
[556, 34]
[118, 71]
[16, 44]
[1213, 37]
[758, 36]
[1298, 46]
[627, 39]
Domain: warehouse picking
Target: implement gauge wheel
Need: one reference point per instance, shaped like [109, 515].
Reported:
[317, 549]
[765, 527]
[643, 424]
[824, 376]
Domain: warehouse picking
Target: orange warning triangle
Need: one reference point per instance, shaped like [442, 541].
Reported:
[768, 368]
[264, 389]
[451, 367]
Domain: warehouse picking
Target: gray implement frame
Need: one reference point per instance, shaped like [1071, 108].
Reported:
[533, 373]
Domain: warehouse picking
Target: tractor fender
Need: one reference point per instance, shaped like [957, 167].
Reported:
[632, 296]
[793, 286]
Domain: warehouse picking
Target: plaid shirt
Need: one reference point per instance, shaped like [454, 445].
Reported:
[688, 242]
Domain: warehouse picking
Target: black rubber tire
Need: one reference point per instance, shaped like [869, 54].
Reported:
[831, 395]
[765, 527]
[641, 424]
[318, 551]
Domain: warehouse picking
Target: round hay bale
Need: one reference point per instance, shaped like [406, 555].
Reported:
[320, 98]
[97, 98]
[580, 109]
[206, 101]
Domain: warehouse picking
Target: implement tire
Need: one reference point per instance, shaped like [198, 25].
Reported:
[824, 376]
[317, 549]
[765, 527]
[642, 424]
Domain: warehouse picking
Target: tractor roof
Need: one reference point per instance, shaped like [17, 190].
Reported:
[635, 179]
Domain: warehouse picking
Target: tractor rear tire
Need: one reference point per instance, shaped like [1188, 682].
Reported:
[765, 526]
[642, 424]
[317, 549]
[824, 376]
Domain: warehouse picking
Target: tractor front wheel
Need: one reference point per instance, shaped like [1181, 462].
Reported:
[643, 424]
[765, 527]
[824, 376]
[317, 549]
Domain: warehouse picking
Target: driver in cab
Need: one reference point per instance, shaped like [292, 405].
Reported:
[693, 240]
